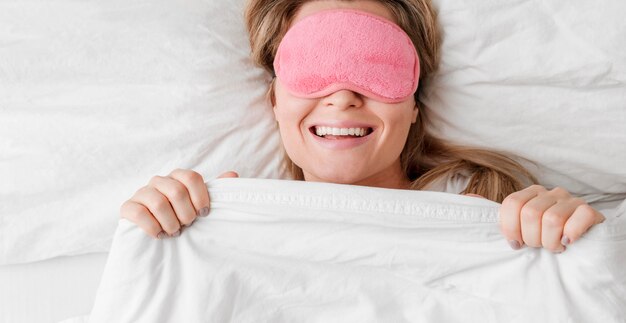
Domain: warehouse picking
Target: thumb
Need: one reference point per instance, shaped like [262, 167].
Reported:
[229, 174]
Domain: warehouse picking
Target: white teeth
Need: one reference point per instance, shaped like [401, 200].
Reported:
[322, 131]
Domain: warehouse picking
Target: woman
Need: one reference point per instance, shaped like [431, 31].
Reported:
[342, 123]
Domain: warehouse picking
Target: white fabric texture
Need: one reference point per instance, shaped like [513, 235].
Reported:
[287, 251]
[77, 319]
[96, 97]
[544, 80]
[50, 290]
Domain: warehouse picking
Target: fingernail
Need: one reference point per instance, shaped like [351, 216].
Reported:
[175, 234]
[162, 235]
[514, 245]
[203, 212]
[565, 241]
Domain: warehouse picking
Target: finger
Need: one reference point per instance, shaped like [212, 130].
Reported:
[142, 217]
[531, 219]
[553, 222]
[196, 187]
[178, 196]
[510, 214]
[583, 218]
[159, 207]
[559, 193]
[229, 174]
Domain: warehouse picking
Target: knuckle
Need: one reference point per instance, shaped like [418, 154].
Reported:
[154, 180]
[537, 187]
[125, 210]
[132, 214]
[178, 192]
[586, 209]
[144, 195]
[559, 191]
[124, 205]
[553, 219]
[159, 203]
[514, 200]
[530, 213]
[191, 176]
[177, 171]
[141, 191]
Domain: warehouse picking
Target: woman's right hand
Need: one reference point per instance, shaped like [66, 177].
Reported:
[169, 203]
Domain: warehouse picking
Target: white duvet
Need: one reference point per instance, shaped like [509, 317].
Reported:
[286, 251]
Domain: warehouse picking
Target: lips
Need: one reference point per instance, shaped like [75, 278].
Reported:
[340, 133]
[341, 136]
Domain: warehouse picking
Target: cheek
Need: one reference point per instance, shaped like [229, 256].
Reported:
[400, 124]
[288, 111]
[289, 122]
[397, 127]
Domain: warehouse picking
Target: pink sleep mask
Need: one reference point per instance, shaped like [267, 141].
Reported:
[347, 49]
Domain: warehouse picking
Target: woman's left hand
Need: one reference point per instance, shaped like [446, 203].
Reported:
[551, 219]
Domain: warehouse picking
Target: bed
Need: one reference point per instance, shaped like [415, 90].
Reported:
[96, 97]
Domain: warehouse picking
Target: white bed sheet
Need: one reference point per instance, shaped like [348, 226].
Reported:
[285, 251]
[50, 290]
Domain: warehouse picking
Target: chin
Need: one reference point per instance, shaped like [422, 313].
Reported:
[337, 177]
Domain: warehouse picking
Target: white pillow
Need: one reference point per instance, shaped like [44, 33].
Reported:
[545, 80]
[96, 97]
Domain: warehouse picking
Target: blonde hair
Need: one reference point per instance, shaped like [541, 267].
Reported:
[425, 158]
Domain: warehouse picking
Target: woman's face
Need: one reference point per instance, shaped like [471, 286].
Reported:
[307, 126]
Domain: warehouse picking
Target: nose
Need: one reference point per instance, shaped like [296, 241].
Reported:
[343, 99]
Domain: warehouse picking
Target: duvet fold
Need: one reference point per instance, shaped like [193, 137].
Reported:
[287, 251]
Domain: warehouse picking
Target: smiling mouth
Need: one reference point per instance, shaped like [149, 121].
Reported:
[340, 133]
